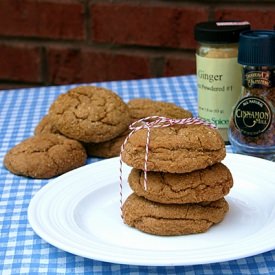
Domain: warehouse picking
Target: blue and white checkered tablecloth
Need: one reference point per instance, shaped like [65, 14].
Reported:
[21, 250]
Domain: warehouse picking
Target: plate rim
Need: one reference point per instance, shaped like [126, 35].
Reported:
[36, 226]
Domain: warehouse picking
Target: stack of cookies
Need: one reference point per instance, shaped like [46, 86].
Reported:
[186, 181]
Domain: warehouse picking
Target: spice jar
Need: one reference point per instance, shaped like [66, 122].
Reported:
[252, 125]
[218, 72]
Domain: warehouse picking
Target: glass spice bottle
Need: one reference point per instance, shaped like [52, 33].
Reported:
[252, 124]
[218, 72]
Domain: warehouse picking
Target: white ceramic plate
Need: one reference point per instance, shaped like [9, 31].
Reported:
[79, 212]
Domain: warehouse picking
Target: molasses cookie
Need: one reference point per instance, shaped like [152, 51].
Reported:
[144, 107]
[90, 114]
[172, 219]
[175, 149]
[45, 156]
[209, 184]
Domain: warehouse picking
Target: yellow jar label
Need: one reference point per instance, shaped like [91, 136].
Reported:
[219, 87]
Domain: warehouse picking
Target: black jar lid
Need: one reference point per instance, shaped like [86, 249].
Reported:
[220, 31]
[257, 48]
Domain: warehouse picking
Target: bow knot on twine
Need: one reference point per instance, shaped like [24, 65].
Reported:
[149, 123]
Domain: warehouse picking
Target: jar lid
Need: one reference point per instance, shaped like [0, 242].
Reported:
[257, 48]
[220, 31]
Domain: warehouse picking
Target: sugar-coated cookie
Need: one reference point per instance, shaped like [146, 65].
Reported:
[45, 156]
[172, 219]
[90, 114]
[175, 149]
[209, 184]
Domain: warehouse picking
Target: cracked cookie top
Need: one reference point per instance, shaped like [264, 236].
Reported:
[90, 114]
[45, 156]
[209, 184]
[175, 149]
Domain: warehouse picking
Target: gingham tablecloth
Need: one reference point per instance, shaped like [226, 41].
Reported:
[21, 250]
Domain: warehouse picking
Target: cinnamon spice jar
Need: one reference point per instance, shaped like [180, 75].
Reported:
[252, 124]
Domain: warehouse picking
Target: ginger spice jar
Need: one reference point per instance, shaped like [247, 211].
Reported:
[218, 72]
[252, 125]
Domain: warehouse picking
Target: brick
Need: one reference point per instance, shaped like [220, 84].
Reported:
[20, 63]
[43, 19]
[88, 65]
[116, 66]
[64, 65]
[260, 17]
[180, 64]
[146, 25]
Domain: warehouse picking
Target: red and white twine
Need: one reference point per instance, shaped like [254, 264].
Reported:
[148, 123]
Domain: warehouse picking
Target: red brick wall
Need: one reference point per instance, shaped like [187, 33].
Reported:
[49, 42]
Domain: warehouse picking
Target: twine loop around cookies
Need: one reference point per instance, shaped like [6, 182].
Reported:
[154, 122]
